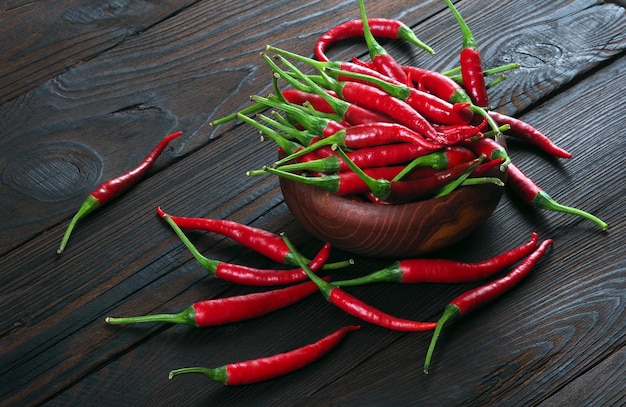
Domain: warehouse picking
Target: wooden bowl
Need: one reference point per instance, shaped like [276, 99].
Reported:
[391, 231]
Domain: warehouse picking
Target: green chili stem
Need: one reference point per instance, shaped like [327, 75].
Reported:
[468, 38]
[257, 107]
[218, 374]
[288, 146]
[437, 160]
[186, 317]
[89, 205]
[482, 180]
[451, 186]
[381, 188]
[450, 313]
[389, 274]
[324, 286]
[544, 201]
[209, 264]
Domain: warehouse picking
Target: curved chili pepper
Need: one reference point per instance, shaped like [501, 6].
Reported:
[532, 194]
[479, 296]
[258, 370]
[241, 274]
[115, 187]
[384, 63]
[221, 311]
[412, 271]
[262, 241]
[368, 135]
[343, 183]
[471, 64]
[430, 106]
[357, 307]
[529, 134]
[369, 157]
[438, 84]
[379, 27]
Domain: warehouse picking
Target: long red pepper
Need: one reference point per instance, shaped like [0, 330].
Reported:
[245, 275]
[357, 307]
[221, 311]
[482, 295]
[433, 108]
[532, 194]
[418, 270]
[379, 27]
[368, 135]
[524, 131]
[383, 62]
[262, 241]
[471, 63]
[258, 370]
[116, 187]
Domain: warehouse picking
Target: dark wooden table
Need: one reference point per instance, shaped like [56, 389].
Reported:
[88, 87]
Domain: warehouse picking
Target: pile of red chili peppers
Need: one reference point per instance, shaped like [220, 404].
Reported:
[388, 133]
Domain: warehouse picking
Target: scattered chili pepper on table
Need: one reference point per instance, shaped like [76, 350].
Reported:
[418, 270]
[115, 187]
[357, 307]
[484, 294]
[258, 370]
[227, 310]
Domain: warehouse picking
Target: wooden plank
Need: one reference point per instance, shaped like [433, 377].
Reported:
[37, 46]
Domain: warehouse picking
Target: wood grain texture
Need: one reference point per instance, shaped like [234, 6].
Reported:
[86, 111]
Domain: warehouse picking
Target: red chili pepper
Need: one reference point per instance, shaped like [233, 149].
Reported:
[379, 27]
[529, 134]
[384, 63]
[357, 307]
[369, 157]
[372, 98]
[428, 105]
[221, 311]
[438, 84]
[480, 296]
[241, 274]
[368, 135]
[412, 271]
[491, 149]
[343, 183]
[115, 187]
[266, 243]
[302, 98]
[532, 194]
[258, 370]
[471, 64]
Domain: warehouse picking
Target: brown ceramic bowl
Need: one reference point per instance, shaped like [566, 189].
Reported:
[391, 231]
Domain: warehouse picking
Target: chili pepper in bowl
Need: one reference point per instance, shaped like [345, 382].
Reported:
[484, 294]
[357, 307]
[379, 27]
[258, 370]
[383, 62]
[221, 311]
[532, 194]
[115, 187]
[471, 63]
[421, 270]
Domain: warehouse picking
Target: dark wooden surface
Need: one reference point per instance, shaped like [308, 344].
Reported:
[86, 88]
